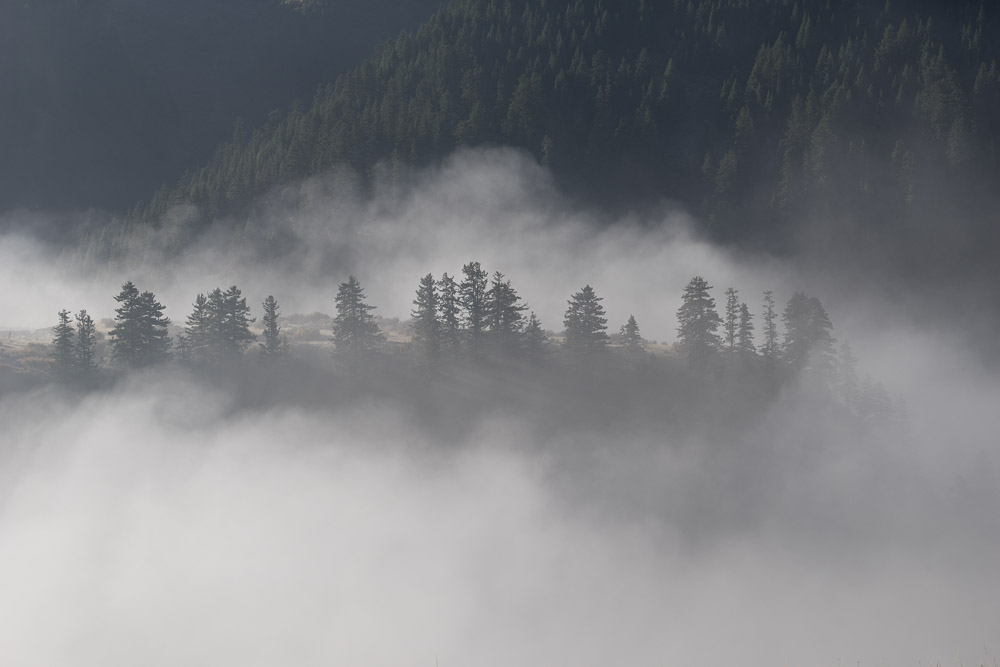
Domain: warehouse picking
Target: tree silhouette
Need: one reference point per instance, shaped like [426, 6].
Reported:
[139, 337]
[64, 355]
[586, 326]
[698, 322]
[273, 347]
[354, 328]
[426, 327]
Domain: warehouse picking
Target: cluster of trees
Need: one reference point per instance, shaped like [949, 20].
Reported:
[752, 113]
[481, 316]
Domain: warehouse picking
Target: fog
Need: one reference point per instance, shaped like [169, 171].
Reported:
[168, 519]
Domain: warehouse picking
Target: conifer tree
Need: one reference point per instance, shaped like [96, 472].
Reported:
[503, 313]
[536, 341]
[274, 345]
[770, 350]
[744, 339]
[64, 356]
[473, 298]
[808, 342]
[426, 327]
[85, 347]
[631, 340]
[354, 327]
[697, 323]
[449, 309]
[232, 322]
[731, 322]
[586, 325]
[198, 340]
[139, 337]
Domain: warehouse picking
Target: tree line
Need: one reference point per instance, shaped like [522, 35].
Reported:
[479, 316]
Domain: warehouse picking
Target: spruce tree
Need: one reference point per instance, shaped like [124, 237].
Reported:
[631, 340]
[426, 327]
[64, 348]
[473, 297]
[233, 323]
[449, 309]
[139, 337]
[770, 350]
[274, 344]
[697, 323]
[808, 342]
[503, 313]
[198, 340]
[535, 340]
[354, 327]
[731, 322]
[744, 339]
[85, 346]
[586, 325]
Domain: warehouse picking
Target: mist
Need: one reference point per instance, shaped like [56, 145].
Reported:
[170, 519]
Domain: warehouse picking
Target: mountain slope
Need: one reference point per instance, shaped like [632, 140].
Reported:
[757, 115]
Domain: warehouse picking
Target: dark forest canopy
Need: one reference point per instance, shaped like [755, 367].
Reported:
[758, 115]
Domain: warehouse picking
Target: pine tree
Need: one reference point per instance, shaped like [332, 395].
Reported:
[535, 340]
[744, 338]
[631, 340]
[198, 340]
[354, 328]
[449, 308]
[64, 356]
[586, 326]
[426, 327]
[233, 323]
[274, 344]
[85, 348]
[473, 298]
[698, 322]
[770, 350]
[139, 337]
[808, 342]
[731, 323]
[503, 313]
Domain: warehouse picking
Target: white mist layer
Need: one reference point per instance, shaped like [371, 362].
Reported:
[154, 526]
[496, 206]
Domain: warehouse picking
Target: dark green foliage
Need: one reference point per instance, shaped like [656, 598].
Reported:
[64, 348]
[697, 323]
[354, 328]
[503, 314]
[197, 341]
[586, 325]
[274, 346]
[755, 113]
[426, 326]
[139, 337]
[744, 337]
[85, 346]
[731, 322]
[631, 340]
[449, 309]
[770, 349]
[535, 342]
[231, 322]
[808, 342]
[472, 292]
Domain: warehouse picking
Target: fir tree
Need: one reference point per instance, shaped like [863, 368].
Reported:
[64, 356]
[503, 313]
[770, 350]
[631, 340]
[197, 343]
[449, 308]
[698, 322]
[586, 326]
[731, 322]
[808, 342]
[426, 327]
[85, 346]
[744, 339]
[274, 344]
[139, 337]
[232, 322]
[535, 340]
[473, 298]
[354, 327]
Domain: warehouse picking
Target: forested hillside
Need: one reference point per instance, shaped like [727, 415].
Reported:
[757, 115]
[102, 101]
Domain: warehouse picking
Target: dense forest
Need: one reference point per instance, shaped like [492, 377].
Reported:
[882, 117]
